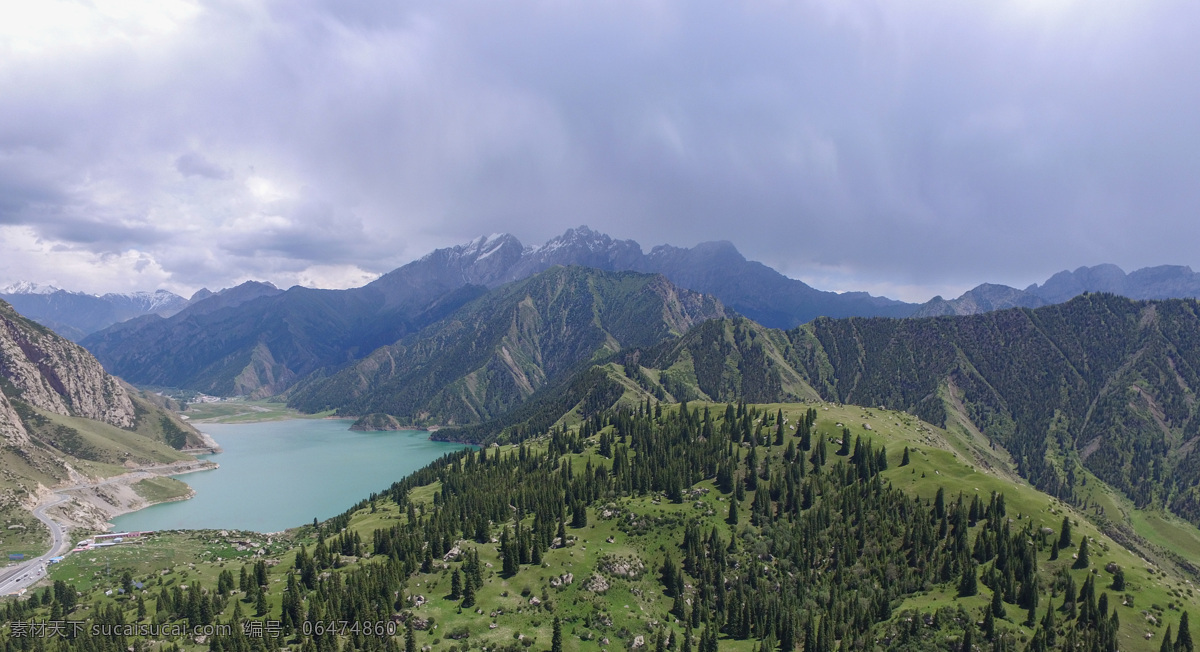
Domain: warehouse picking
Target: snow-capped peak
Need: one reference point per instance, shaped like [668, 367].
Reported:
[580, 238]
[149, 301]
[28, 287]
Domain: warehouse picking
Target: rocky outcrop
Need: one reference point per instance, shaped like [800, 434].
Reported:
[49, 372]
[12, 431]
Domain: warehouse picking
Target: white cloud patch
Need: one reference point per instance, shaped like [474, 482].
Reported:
[335, 277]
[26, 255]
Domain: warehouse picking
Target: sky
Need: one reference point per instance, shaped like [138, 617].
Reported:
[903, 148]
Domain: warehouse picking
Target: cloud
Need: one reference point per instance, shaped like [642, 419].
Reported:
[193, 164]
[917, 146]
[334, 276]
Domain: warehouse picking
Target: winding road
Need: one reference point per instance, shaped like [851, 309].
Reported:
[21, 576]
[15, 578]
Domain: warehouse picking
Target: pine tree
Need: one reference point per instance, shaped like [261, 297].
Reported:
[1081, 558]
[508, 550]
[904, 461]
[260, 606]
[468, 600]
[968, 584]
[1183, 641]
[456, 585]
[410, 637]
[1048, 626]
[556, 637]
[1167, 645]
[1064, 537]
[1118, 583]
[732, 519]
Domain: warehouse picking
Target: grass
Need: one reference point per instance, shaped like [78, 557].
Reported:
[162, 489]
[1161, 537]
[245, 411]
[27, 537]
[186, 556]
[114, 446]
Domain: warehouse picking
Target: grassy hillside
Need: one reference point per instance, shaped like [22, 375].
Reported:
[581, 525]
[1100, 387]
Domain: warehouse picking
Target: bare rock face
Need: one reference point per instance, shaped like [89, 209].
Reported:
[12, 431]
[54, 374]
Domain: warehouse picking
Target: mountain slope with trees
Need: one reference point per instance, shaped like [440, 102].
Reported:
[495, 352]
[1101, 384]
[683, 527]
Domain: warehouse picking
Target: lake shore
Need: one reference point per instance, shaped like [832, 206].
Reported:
[92, 504]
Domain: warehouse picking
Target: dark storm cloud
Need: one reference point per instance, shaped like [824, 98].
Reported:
[899, 147]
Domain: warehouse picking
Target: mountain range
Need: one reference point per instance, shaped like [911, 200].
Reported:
[1091, 400]
[717, 268]
[76, 314]
[1161, 282]
[262, 346]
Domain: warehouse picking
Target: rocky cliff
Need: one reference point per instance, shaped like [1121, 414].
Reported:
[51, 373]
[63, 420]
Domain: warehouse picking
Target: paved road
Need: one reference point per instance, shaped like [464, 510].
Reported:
[26, 573]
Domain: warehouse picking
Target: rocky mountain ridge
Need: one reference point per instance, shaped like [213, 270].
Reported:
[258, 340]
[264, 344]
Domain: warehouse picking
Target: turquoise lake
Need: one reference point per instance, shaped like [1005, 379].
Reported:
[281, 474]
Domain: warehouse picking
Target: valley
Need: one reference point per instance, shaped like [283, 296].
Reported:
[613, 460]
[886, 337]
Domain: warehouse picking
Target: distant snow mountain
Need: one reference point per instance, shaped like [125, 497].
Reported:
[715, 268]
[75, 315]
[1160, 282]
[28, 287]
